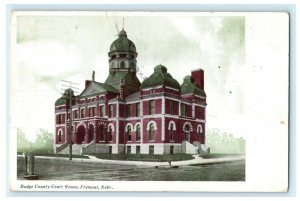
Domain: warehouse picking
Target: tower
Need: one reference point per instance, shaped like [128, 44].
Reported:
[122, 64]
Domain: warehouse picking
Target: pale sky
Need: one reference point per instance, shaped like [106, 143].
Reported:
[243, 82]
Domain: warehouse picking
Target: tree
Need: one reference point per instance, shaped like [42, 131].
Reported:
[23, 144]
[222, 142]
[44, 142]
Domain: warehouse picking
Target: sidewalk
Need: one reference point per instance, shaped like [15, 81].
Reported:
[196, 161]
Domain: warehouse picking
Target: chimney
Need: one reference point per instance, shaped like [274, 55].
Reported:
[121, 89]
[198, 76]
[87, 83]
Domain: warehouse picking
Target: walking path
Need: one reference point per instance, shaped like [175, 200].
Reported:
[196, 161]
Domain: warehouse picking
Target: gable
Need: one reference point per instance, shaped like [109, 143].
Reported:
[93, 89]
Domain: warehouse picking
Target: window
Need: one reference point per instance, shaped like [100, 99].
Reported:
[152, 107]
[128, 150]
[76, 114]
[82, 113]
[129, 110]
[91, 111]
[129, 133]
[138, 109]
[59, 119]
[68, 116]
[151, 132]
[110, 112]
[171, 133]
[59, 136]
[183, 109]
[171, 149]
[172, 107]
[110, 133]
[151, 150]
[138, 149]
[110, 149]
[122, 64]
[102, 111]
[138, 133]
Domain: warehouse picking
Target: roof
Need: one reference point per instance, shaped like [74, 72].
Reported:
[122, 44]
[160, 77]
[189, 86]
[132, 83]
[95, 88]
[63, 99]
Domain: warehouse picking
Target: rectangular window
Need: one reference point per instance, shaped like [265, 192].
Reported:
[110, 149]
[172, 107]
[171, 149]
[82, 113]
[129, 110]
[94, 111]
[110, 112]
[76, 114]
[183, 109]
[151, 150]
[128, 150]
[59, 119]
[138, 150]
[102, 111]
[138, 109]
[152, 107]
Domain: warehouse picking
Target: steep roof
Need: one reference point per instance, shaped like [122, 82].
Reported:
[132, 83]
[64, 98]
[122, 44]
[160, 77]
[189, 86]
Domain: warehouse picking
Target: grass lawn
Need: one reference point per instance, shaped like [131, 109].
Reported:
[56, 155]
[218, 155]
[145, 157]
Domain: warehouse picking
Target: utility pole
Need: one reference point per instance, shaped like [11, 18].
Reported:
[70, 88]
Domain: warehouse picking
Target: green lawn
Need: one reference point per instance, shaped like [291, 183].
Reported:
[145, 157]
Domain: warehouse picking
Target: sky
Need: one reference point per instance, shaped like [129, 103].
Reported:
[246, 86]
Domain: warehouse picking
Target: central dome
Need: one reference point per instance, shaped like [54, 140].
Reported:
[122, 44]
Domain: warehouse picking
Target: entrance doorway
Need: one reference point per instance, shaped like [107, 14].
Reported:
[80, 135]
[187, 135]
[91, 133]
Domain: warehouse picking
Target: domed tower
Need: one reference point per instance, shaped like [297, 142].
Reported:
[122, 64]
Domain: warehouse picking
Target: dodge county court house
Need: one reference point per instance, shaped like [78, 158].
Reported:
[123, 115]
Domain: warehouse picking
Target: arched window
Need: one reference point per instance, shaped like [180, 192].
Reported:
[199, 130]
[129, 133]
[110, 133]
[171, 133]
[122, 64]
[151, 131]
[138, 132]
[59, 136]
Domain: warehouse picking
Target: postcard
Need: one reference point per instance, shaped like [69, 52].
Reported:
[149, 101]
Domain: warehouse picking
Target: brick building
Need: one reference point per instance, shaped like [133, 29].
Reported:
[123, 115]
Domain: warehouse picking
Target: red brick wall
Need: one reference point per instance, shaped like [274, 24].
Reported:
[157, 133]
[158, 106]
[146, 107]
